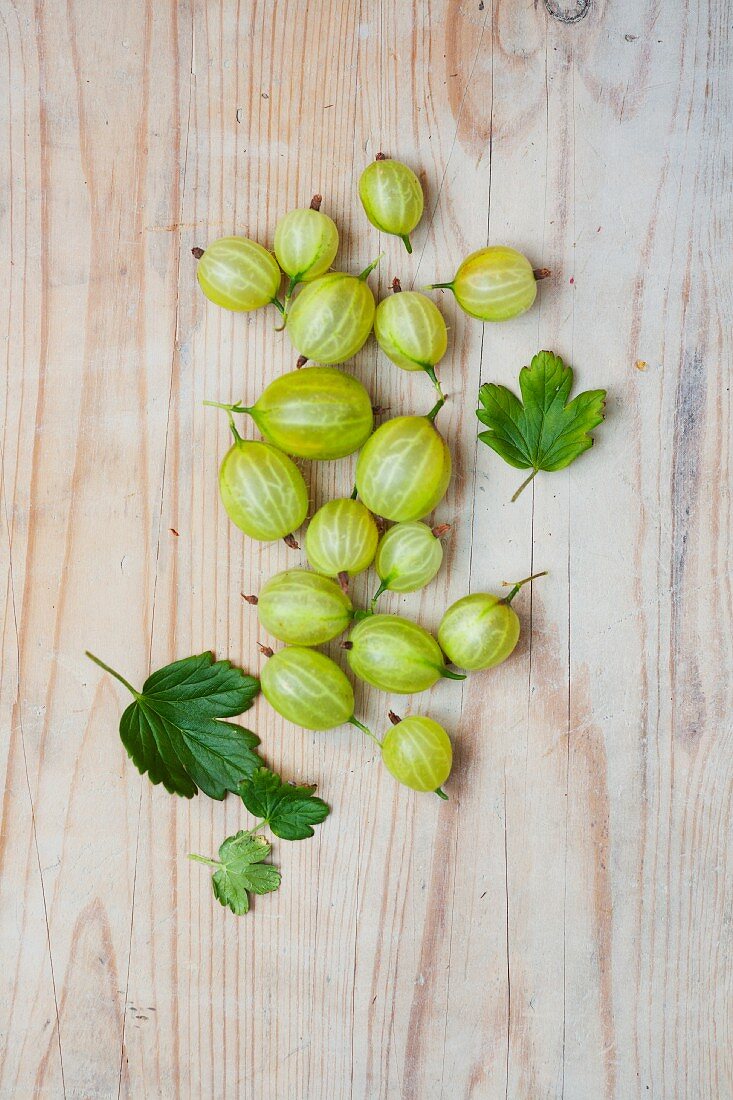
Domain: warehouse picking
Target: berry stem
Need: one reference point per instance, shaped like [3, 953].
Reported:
[343, 579]
[294, 280]
[527, 580]
[368, 270]
[450, 675]
[359, 615]
[265, 650]
[278, 305]
[383, 587]
[524, 484]
[396, 285]
[394, 718]
[364, 729]
[441, 793]
[112, 672]
[289, 540]
[250, 599]
[435, 410]
[430, 371]
[441, 529]
[316, 202]
[354, 493]
[438, 286]
[302, 360]
[197, 253]
[229, 410]
[541, 273]
[407, 243]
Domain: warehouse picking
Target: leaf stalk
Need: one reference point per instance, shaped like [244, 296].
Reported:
[524, 484]
[112, 672]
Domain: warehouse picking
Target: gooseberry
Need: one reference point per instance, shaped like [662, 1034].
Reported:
[392, 197]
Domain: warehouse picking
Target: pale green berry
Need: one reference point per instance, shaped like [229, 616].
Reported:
[341, 538]
[302, 608]
[392, 197]
[307, 688]
[411, 331]
[418, 753]
[493, 284]
[408, 557]
[394, 654]
[238, 274]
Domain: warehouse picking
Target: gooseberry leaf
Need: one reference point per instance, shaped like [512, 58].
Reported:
[241, 871]
[173, 732]
[544, 431]
[289, 810]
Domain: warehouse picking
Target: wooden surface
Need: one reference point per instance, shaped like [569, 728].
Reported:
[563, 927]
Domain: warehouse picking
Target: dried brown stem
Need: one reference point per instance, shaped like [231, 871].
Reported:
[316, 202]
[250, 599]
[343, 579]
[289, 540]
[197, 252]
[394, 718]
[442, 529]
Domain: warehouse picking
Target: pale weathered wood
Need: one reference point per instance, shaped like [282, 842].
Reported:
[561, 927]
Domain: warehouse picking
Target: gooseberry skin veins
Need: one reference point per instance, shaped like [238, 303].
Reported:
[306, 243]
[495, 284]
[479, 631]
[303, 608]
[238, 274]
[410, 330]
[308, 688]
[394, 654]
[408, 557]
[403, 470]
[317, 413]
[341, 537]
[262, 490]
[418, 753]
[331, 318]
[392, 197]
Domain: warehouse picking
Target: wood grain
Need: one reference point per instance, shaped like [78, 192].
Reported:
[563, 927]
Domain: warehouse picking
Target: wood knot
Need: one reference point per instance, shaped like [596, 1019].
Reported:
[568, 16]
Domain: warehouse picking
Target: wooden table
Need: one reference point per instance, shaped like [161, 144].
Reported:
[563, 925]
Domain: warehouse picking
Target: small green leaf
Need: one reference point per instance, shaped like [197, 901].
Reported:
[543, 431]
[290, 811]
[241, 871]
[172, 730]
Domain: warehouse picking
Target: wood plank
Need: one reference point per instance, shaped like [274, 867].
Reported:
[29, 1024]
[84, 451]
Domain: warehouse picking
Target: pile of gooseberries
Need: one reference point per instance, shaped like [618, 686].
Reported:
[318, 412]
